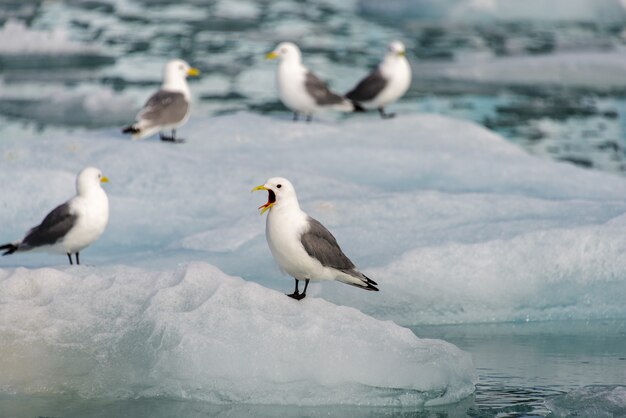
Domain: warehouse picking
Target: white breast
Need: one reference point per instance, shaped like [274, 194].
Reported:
[283, 230]
[397, 72]
[93, 216]
[290, 79]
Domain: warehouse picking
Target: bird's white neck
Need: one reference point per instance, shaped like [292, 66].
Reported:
[174, 82]
[289, 204]
[91, 190]
[291, 61]
[391, 62]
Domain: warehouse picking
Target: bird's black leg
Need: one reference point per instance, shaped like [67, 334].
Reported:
[295, 116]
[296, 293]
[70, 257]
[309, 118]
[77, 261]
[385, 115]
[170, 138]
[306, 284]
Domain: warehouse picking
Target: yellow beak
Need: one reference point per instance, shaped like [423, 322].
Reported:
[104, 179]
[271, 55]
[193, 72]
[264, 208]
[402, 54]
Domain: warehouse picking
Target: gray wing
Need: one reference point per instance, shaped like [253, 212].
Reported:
[54, 227]
[320, 244]
[164, 108]
[320, 91]
[368, 88]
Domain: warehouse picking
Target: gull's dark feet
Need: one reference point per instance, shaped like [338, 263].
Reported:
[385, 115]
[297, 296]
[172, 139]
[296, 292]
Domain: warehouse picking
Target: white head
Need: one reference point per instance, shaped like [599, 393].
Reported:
[279, 191]
[396, 49]
[89, 179]
[176, 72]
[286, 51]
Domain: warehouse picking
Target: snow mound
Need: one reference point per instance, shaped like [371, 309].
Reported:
[590, 401]
[455, 223]
[196, 333]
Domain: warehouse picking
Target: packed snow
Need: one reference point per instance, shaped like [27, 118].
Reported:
[194, 333]
[455, 223]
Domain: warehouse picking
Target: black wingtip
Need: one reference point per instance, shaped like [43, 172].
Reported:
[358, 107]
[8, 248]
[371, 284]
[130, 130]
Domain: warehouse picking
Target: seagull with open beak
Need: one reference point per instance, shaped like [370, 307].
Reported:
[302, 246]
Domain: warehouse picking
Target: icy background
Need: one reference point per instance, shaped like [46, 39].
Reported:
[457, 223]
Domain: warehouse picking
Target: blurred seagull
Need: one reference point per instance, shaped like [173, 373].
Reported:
[387, 83]
[75, 224]
[301, 90]
[302, 246]
[168, 108]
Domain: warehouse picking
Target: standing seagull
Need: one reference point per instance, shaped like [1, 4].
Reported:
[301, 90]
[73, 225]
[168, 108]
[302, 246]
[386, 84]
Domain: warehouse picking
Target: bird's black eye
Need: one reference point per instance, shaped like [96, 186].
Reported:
[278, 186]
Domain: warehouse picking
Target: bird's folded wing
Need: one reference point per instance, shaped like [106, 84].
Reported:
[320, 92]
[164, 108]
[368, 88]
[320, 244]
[54, 227]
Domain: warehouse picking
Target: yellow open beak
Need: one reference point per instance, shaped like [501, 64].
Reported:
[271, 198]
[104, 179]
[193, 72]
[271, 55]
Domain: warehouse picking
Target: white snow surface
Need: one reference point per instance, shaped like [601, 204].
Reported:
[195, 333]
[455, 223]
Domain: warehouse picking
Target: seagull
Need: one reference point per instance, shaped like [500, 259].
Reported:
[386, 84]
[301, 90]
[168, 108]
[301, 245]
[72, 226]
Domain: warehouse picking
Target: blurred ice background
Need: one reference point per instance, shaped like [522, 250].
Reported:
[547, 75]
